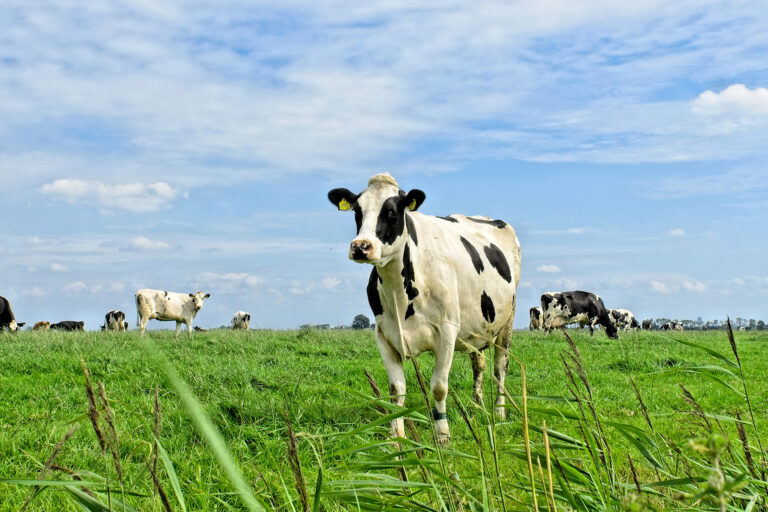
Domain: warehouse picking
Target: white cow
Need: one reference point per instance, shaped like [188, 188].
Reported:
[241, 320]
[168, 306]
[438, 284]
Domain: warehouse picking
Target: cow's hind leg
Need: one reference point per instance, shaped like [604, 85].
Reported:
[439, 384]
[500, 366]
[478, 367]
[394, 366]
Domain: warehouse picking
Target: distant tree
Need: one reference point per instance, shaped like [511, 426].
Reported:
[752, 324]
[760, 325]
[361, 322]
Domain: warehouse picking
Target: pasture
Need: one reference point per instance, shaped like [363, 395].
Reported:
[605, 450]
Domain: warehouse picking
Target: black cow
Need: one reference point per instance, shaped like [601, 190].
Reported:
[68, 325]
[562, 308]
[7, 320]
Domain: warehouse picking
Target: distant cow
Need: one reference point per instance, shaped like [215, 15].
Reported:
[647, 325]
[168, 307]
[671, 326]
[68, 325]
[438, 284]
[623, 318]
[584, 308]
[114, 321]
[41, 326]
[241, 320]
[536, 322]
[200, 329]
[7, 320]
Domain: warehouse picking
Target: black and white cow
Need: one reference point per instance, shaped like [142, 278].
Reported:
[438, 284]
[623, 319]
[584, 308]
[671, 326]
[536, 322]
[647, 325]
[241, 320]
[68, 325]
[114, 321]
[7, 320]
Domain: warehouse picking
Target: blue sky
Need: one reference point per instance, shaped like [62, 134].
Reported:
[187, 146]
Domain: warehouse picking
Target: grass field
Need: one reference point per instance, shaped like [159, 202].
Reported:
[245, 381]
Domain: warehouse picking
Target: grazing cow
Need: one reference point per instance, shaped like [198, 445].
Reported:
[41, 326]
[671, 326]
[114, 321]
[536, 319]
[68, 325]
[438, 284]
[584, 308]
[241, 320]
[647, 325]
[168, 306]
[200, 329]
[623, 318]
[7, 320]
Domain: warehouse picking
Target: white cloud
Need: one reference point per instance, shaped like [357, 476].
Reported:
[77, 286]
[576, 231]
[694, 286]
[676, 232]
[736, 281]
[135, 197]
[331, 282]
[228, 281]
[145, 244]
[58, 267]
[35, 291]
[660, 287]
[551, 269]
[734, 101]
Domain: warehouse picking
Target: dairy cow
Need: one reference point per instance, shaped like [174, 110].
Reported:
[562, 308]
[647, 325]
[68, 325]
[7, 320]
[168, 307]
[41, 326]
[114, 321]
[241, 320]
[438, 284]
[623, 319]
[536, 322]
[671, 326]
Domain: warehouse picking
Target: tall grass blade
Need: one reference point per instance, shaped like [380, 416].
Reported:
[171, 472]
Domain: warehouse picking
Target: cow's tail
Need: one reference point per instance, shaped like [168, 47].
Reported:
[138, 315]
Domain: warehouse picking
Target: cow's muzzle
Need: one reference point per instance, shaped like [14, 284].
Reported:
[360, 250]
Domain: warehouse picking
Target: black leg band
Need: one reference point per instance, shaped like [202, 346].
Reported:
[438, 415]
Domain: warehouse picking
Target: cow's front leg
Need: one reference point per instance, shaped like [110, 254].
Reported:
[478, 367]
[439, 385]
[394, 366]
[189, 328]
[500, 366]
[178, 328]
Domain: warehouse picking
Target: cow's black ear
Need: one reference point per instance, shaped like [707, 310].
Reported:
[342, 198]
[206, 295]
[191, 294]
[414, 198]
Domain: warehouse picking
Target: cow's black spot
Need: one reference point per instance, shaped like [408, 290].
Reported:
[486, 306]
[498, 261]
[498, 223]
[534, 311]
[409, 311]
[391, 222]
[358, 216]
[473, 254]
[411, 229]
[449, 219]
[545, 300]
[408, 275]
[373, 293]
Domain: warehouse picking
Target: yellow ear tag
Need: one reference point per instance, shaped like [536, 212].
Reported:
[412, 205]
[344, 205]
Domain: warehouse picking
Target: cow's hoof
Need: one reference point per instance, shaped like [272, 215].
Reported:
[443, 439]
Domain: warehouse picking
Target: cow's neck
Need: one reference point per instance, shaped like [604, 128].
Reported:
[393, 279]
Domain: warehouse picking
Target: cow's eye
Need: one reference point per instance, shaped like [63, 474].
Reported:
[392, 216]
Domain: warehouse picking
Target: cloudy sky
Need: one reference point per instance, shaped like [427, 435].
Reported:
[190, 145]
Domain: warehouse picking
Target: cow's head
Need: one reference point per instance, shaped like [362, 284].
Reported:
[380, 213]
[198, 299]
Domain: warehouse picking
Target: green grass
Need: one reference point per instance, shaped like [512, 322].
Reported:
[244, 380]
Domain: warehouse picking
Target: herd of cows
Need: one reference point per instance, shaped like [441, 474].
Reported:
[438, 284]
[150, 304]
[586, 309]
